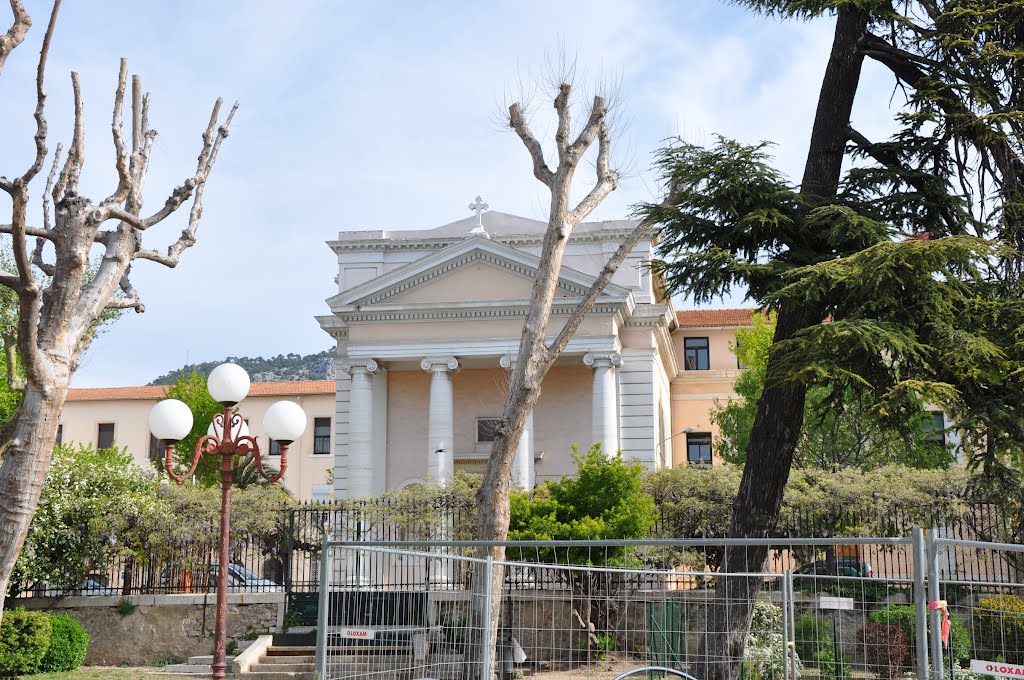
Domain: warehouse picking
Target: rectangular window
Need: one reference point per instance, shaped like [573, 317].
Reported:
[274, 448]
[697, 354]
[156, 452]
[936, 429]
[105, 436]
[321, 436]
[60, 435]
[698, 448]
[486, 428]
[739, 364]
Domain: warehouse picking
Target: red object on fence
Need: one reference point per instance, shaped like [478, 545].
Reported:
[944, 608]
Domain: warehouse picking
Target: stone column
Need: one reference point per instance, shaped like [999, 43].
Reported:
[522, 466]
[604, 409]
[441, 418]
[360, 437]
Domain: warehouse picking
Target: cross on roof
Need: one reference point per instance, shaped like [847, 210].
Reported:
[479, 206]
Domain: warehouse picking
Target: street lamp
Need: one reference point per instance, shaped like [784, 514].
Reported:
[171, 421]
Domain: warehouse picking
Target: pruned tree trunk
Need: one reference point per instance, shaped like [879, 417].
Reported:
[780, 410]
[56, 324]
[536, 356]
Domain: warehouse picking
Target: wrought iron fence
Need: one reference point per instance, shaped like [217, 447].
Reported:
[287, 559]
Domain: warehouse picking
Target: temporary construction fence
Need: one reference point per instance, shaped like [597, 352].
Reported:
[594, 609]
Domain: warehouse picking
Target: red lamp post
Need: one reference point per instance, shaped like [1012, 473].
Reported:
[227, 438]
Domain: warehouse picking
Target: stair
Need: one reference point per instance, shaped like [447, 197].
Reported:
[196, 665]
[284, 663]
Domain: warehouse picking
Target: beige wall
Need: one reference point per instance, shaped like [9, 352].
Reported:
[694, 393]
[561, 418]
[80, 422]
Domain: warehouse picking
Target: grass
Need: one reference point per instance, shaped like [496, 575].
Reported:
[104, 673]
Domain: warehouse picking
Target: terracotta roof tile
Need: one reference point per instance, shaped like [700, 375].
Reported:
[698, 318]
[270, 389]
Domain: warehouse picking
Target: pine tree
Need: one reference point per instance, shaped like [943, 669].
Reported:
[913, 255]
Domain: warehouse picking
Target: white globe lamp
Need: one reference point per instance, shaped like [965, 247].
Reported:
[284, 422]
[228, 384]
[170, 420]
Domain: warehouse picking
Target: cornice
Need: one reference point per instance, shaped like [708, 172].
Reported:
[442, 314]
[387, 244]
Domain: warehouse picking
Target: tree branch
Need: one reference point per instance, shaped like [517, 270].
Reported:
[16, 33]
[120, 152]
[562, 133]
[600, 283]
[207, 158]
[607, 179]
[540, 169]
[586, 137]
[39, 114]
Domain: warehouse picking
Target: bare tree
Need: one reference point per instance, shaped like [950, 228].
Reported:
[536, 354]
[61, 301]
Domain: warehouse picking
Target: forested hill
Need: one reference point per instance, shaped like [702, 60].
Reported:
[281, 368]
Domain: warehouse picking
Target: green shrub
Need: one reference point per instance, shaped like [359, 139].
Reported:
[999, 628]
[24, 639]
[68, 644]
[763, 655]
[904, 616]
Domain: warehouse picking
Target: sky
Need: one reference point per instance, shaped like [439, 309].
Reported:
[383, 115]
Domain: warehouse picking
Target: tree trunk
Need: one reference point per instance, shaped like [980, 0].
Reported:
[25, 464]
[780, 409]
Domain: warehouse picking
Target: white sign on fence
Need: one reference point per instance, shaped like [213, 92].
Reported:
[996, 668]
[357, 633]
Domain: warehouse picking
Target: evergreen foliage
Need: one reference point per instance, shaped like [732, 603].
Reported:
[69, 643]
[193, 392]
[24, 639]
[604, 499]
[904, 616]
[840, 430]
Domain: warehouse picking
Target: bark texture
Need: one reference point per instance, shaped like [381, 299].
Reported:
[56, 324]
[536, 355]
[780, 410]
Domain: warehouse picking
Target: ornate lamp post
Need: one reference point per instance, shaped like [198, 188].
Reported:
[227, 437]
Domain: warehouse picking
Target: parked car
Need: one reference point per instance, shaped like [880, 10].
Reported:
[92, 586]
[840, 566]
[240, 580]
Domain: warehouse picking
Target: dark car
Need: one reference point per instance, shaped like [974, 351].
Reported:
[841, 566]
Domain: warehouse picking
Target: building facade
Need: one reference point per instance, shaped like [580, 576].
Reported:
[427, 325]
[119, 416]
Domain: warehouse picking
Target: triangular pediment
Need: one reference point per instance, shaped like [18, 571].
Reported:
[473, 269]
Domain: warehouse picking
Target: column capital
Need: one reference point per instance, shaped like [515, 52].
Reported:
[508, 361]
[440, 363]
[359, 366]
[602, 359]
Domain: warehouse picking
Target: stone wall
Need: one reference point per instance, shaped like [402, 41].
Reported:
[162, 626]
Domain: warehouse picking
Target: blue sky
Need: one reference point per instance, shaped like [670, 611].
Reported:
[380, 115]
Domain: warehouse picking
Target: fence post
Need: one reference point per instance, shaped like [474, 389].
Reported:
[933, 614]
[785, 624]
[791, 620]
[920, 603]
[485, 657]
[322, 614]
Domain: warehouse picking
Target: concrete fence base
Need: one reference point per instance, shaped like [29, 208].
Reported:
[161, 626]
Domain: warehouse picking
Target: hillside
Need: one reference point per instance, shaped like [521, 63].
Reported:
[281, 368]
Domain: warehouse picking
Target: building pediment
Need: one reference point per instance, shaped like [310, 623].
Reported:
[475, 269]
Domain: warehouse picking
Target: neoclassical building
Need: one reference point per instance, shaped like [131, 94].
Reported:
[427, 324]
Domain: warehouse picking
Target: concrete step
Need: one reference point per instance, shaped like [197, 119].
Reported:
[291, 651]
[207, 659]
[281, 668]
[190, 668]
[288, 659]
